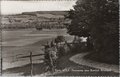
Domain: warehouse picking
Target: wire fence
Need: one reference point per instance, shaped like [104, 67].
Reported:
[29, 56]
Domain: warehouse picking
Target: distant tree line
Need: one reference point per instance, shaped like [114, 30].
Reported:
[44, 25]
[38, 22]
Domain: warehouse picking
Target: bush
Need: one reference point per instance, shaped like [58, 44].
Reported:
[59, 39]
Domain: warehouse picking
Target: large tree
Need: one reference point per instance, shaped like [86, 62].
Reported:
[98, 19]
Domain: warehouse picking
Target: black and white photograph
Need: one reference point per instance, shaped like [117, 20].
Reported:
[42, 38]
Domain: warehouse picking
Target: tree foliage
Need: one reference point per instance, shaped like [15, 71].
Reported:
[59, 39]
[99, 20]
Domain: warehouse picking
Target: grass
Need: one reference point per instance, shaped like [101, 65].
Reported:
[39, 68]
[63, 63]
[35, 47]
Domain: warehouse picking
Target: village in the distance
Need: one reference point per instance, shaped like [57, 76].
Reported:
[39, 20]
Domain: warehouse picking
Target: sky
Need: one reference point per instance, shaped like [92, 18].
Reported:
[17, 7]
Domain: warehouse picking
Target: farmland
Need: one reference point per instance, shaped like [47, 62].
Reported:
[28, 20]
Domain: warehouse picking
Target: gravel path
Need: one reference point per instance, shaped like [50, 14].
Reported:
[104, 67]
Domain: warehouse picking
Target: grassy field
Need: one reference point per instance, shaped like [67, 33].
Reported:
[18, 43]
[67, 67]
[21, 42]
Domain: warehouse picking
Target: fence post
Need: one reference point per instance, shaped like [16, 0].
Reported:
[31, 69]
[1, 65]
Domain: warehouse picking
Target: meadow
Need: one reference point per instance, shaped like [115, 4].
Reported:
[19, 43]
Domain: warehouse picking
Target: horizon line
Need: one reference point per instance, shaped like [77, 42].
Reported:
[37, 11]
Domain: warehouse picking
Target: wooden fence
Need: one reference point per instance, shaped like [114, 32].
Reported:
[19, 57]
